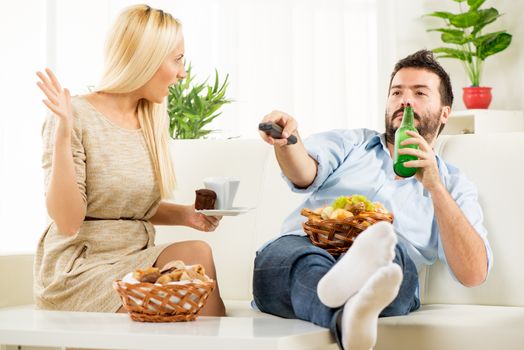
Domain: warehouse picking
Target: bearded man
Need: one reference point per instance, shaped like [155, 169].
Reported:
[437, 216]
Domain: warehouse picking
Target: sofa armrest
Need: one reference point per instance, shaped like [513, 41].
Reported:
[16, 272]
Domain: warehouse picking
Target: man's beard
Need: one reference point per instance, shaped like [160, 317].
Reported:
[428, 125]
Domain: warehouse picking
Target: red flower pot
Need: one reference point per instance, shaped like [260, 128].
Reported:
[477, 97]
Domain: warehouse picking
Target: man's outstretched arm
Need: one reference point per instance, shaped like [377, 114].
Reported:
[294, 160]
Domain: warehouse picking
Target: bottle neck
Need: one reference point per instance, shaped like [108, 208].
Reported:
[407, 118]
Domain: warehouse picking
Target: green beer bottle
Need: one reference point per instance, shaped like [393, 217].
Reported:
[400, 135]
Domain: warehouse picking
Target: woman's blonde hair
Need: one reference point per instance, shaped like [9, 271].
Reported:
[140, 40]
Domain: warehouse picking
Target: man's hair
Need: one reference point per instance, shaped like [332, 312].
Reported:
[424, 59]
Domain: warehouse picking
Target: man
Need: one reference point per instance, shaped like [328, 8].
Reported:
[437, 215]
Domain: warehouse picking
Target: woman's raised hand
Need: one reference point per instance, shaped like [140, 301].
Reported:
[58, 99]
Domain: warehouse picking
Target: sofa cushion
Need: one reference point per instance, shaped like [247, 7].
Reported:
[494, 163]
[237, 238]
[454, 327]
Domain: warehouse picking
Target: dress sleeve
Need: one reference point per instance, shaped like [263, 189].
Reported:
[77, 148]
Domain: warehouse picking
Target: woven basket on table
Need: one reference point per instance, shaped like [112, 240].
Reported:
[336, 236]
[148, 302]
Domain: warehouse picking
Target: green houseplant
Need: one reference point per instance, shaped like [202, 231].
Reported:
[193, 106]
[464, 31]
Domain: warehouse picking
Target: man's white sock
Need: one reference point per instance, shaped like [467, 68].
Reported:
[360, 314]
[371, 250]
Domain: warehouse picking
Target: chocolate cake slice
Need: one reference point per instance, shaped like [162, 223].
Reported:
[205, 199]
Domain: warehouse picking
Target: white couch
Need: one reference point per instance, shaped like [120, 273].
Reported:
[452, 316]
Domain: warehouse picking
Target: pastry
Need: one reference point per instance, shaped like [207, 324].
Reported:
[173, 271]
[172, 266]
[149, 275]
[205, 199]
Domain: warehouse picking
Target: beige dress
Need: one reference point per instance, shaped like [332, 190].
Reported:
[115, 176]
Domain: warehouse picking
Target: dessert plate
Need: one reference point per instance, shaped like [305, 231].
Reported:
[225, 212]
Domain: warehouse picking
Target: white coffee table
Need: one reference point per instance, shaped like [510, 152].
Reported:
[30, 327]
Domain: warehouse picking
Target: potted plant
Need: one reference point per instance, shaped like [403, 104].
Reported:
[471, 46]
[193, 106]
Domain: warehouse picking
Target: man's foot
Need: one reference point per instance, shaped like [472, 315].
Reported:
[371, 250]
[360, 314]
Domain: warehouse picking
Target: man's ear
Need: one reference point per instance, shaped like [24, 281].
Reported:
[444, 114]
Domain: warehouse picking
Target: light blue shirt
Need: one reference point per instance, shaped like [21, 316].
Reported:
[358, 162]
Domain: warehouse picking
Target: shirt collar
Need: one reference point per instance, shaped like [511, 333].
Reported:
[376, 140]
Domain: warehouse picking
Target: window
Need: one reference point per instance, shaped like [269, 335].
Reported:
[22, 210]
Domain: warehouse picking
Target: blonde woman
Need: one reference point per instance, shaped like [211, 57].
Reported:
[108, 170]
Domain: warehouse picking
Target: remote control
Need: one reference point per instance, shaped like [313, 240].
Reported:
[275, 131]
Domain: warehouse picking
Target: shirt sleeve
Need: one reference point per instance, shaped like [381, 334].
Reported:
[330, 149]
[465, 194]
[77, 149]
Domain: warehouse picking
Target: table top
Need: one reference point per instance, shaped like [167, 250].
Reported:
[26, 326]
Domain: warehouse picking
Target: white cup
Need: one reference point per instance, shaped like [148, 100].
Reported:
[225, 188]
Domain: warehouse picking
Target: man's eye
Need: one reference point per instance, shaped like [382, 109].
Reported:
[420, 93]
[395, 93]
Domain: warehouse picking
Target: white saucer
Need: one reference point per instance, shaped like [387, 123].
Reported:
[225, 212]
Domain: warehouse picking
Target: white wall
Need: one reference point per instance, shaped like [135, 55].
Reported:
[504, 72]
[22, 53]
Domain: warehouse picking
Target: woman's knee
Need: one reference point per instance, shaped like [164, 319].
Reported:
[195, 247]
[190, 252]
[202, 247]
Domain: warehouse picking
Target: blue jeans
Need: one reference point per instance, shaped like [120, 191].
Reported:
[287, 272]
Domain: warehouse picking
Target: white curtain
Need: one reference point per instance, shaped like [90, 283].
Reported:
[316, 60]
[22, 43]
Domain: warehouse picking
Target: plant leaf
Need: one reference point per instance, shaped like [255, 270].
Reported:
[192, 106]
[451, 36]
[453, 39]
[480, 40]
[215, 87]
[455, 53]
[475, 4]
[440, 14]
[465, 20]
[486, 17]
[494, 45]
[447, 30]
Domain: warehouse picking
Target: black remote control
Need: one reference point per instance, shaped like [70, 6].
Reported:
[275, 131]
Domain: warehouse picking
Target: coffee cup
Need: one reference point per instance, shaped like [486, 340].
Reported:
[225, 188]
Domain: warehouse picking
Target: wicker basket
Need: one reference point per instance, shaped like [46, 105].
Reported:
[148, 302]
[336, 236]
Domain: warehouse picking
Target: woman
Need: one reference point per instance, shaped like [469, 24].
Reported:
[107, 169]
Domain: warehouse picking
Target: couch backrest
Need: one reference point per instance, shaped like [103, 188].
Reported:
[494, 162]
[17, 276]
[237, 238]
